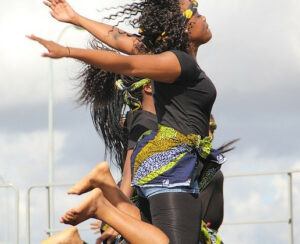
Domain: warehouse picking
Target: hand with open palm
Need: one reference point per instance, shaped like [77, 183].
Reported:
[54, 49]
[62, 11]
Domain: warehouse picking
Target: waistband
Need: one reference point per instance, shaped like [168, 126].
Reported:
[167, 138]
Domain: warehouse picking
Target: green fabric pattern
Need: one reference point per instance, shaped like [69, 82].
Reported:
[163, 169]
[133, 102]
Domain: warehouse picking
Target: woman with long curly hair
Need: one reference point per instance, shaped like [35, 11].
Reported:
[166, 163]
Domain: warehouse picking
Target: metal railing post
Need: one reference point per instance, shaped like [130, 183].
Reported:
[291, 207]
[49, 210]
[17, 206]
[51, 144]
[28, 216]
[49, 188]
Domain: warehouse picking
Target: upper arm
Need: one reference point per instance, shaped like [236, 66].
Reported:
[125, 42]
[127, 163]
[135, 133]
[126, 177]
[164, 67]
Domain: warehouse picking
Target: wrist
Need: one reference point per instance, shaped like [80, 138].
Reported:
[68, 52]
[76, 20]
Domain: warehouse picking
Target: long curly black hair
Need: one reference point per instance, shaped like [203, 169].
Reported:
[161, 27]
[107, 107]
[161, 24]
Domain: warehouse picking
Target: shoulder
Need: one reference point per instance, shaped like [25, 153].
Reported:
[145, 119]
[190, 69]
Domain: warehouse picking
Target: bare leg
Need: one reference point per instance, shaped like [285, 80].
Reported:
[100, 177]
[133, 230]
[68, 236]
[95, 178]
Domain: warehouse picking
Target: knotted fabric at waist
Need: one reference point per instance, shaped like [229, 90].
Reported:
[167, 156]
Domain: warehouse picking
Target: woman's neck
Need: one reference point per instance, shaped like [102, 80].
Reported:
[193, 50]
[148, 104]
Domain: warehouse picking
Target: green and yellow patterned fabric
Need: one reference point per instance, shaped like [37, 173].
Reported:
[167, 157]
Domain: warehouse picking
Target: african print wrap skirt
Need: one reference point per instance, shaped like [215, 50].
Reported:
[212, 164]
[167, 157]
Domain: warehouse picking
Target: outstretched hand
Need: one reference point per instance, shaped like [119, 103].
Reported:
[96, 226]
[54, 49]
[109, 235]
[61, 11]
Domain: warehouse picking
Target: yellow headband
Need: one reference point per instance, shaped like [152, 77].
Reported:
[192, 9]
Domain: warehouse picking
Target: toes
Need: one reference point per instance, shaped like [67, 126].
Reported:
[72, 213]
[69, 217]
[63, 220]
[73, 191]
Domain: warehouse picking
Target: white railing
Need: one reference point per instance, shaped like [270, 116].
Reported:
[17, 204]
[289, 220]
[50, 208]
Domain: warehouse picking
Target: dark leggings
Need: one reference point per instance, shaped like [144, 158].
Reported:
[212, 202]
[178, 215]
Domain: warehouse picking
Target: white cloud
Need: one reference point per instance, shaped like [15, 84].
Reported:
[28, 153]
[251, 45]
[25, 75]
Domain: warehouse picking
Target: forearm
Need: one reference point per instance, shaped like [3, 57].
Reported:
[126, 187]
[105, 60]
[112, 36]
[162, 67]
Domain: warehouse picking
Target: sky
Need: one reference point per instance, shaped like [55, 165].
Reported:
[254, 62]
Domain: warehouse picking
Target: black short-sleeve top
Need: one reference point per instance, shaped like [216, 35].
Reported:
[186, 104]
[138, 122]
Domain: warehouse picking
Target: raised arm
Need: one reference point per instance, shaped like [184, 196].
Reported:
[112, 36]
[163, 67]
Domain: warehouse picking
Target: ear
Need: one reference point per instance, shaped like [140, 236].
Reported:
[148, 89]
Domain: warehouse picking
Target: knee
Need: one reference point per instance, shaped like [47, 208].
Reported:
[102, 167]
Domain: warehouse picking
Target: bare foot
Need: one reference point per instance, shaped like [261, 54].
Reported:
[68, 236]
[93, 180]
[87, 209]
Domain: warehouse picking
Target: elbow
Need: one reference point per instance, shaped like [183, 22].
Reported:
[135, 69]
[134, 72]
[161, 238]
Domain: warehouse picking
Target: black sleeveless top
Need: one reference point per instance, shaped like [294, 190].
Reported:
[186, 104]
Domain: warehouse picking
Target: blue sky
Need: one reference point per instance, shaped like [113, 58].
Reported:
[253, 60]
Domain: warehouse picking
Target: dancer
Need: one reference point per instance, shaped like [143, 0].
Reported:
[183, 97]
[211, 200]
[141, 120]
[97, 206]
[137, 122]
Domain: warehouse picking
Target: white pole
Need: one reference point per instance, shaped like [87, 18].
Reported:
[291, 207]
[51, 143]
